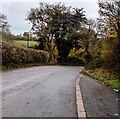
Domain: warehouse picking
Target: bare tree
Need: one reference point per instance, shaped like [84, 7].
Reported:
[4, 24]
[110, 11]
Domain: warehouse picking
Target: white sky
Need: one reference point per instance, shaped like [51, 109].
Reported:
[16, 11]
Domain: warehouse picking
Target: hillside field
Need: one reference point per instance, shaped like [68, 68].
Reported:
[24, 43]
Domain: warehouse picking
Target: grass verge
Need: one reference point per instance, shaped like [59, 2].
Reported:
[105, 77]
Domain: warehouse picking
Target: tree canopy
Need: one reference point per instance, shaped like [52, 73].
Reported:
[53, 23]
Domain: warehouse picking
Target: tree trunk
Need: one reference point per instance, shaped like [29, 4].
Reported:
[52, 56]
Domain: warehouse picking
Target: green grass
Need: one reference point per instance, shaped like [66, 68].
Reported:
[105, 77]
[24, 43]
[114, 83]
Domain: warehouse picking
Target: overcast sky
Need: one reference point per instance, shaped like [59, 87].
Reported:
[16, 11]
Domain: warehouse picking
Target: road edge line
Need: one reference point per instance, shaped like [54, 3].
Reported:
[79, 101]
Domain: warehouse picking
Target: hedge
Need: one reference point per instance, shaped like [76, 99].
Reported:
[14, 56]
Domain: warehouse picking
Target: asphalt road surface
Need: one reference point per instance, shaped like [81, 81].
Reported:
[99, 100]
[45, 91]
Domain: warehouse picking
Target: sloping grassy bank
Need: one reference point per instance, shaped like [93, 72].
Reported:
[14, 56]
[104, 76]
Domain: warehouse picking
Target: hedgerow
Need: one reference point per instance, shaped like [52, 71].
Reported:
[15, 56]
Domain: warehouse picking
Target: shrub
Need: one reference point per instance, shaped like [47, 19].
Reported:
[75, 61]
[110, 52]
[14, 56]
[95, 63]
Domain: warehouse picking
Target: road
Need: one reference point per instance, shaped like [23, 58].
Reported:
[43, 91]
[99, 100]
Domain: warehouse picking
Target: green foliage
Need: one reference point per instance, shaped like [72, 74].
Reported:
[105, 76]
[105, 62]
[15, 56]
[95, 63]
[96, 60]
[110, 53]
[106, 52]
[75, 56]
[114, 83]
[75, 61]
[64, 47]
[76, 53]
[52, 24]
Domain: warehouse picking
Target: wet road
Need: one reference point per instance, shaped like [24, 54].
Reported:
[45, 91]
[99, 100]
